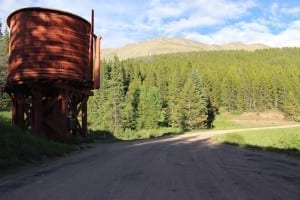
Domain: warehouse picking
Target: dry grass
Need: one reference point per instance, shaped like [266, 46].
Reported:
[251, 119]
[268, 118]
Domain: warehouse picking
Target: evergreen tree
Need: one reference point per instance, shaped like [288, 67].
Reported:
[193, 103]
[5, 102]
[175, 86]
[0, 28]
[212, 111]
[149, 108]
[117, 93]
[108, 102]
[292, 107]
[130, 112]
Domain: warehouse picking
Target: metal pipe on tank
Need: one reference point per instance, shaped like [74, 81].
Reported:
[91, 48]
[97, 66]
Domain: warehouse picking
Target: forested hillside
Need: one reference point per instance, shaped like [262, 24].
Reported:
[4, 40]
[184, 90]
[137, 95]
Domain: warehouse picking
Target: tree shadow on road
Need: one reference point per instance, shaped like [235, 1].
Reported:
[289, 151]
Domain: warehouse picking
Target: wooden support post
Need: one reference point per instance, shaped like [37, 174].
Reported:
[45, 109]
[37, 110]
[14, 110]
[64, 112]
[18, 110]
[84, 116]
[91, 49]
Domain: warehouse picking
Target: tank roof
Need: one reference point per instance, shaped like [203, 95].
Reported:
[43, 9]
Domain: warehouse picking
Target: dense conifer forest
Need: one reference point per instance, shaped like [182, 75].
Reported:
[4, 40]
[185, 90]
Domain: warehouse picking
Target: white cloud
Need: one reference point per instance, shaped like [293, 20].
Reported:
[161, 10]
[274, 9]
[223, 8]
[289, 37]
[187, 23]
[252, 33]
[189, 14]
[291, 11]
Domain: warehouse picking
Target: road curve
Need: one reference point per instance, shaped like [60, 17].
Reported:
[182, 167]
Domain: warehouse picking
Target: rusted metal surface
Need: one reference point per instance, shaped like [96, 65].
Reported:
[48, 44]
[50, 71]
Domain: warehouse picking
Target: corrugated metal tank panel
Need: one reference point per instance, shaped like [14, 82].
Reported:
[48, 44]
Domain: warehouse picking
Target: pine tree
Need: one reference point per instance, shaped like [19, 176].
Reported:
[149, 108]
[292, 107]
[5, 102]
[108, 102]
[0, 28]
[175, 86]
[117, 93]
[130, 111]
[193, 103]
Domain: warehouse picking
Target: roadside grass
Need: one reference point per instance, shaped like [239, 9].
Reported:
[18, 147]
[146, 133]
[284, 140]
[5, 116]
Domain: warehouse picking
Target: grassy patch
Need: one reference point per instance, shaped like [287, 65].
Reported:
[223, 121]
[280, 140]
[18, 147]
[5, 117]
[237, 120]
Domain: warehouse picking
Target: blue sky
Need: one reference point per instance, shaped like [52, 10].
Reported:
[275, 23]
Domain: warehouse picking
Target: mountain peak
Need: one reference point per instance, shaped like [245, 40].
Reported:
[163, 45]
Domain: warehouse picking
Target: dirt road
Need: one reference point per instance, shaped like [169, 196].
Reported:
[182, 167]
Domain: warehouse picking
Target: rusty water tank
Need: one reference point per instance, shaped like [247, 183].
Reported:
[48, 44]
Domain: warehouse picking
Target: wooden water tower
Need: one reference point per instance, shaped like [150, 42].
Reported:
[54, 64]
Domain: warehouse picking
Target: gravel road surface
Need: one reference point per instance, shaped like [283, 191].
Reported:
[182, 167]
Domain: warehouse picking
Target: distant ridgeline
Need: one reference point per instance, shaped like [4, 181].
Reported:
[184, 90]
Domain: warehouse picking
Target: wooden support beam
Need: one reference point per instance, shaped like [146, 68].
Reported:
[84, 116]
[46, 108]
[37, 110]
[64, 112]
[20, 111]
